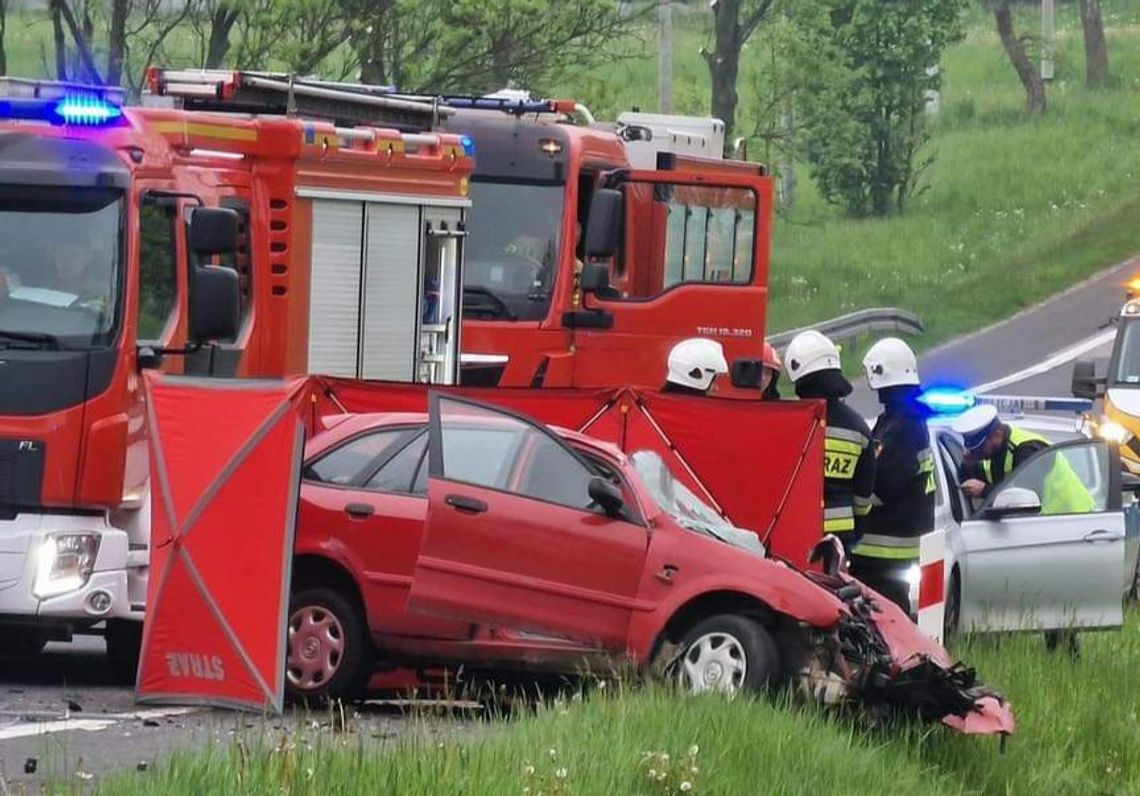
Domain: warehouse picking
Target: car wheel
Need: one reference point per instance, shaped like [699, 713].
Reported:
[953, 609]
[329, 648]
[124, 644]
[727, 653]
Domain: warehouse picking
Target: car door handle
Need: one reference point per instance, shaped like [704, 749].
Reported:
[359, 511]
[1103, 535]
[464, 503]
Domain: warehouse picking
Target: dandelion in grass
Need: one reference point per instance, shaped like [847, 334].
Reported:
[686, 786]
[560, 773]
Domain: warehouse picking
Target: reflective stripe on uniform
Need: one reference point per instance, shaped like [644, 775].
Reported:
[880, 545]
[841, 451]
[838, 520]
[926, 468]
[863, 506]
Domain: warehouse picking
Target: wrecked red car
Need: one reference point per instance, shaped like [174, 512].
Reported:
[420, 537]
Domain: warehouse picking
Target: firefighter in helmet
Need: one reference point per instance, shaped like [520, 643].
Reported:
[694, 365]
[812, 362]
[770, 373]
[903, 501]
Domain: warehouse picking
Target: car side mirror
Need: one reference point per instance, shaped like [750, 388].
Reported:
[215, 301]
[213, 230]
[606, 495]
[603, 224]
[1013, 502]
[1085, 383]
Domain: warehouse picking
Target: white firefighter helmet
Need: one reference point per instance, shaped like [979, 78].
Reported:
[890, 363]
[810, 352]
[696, 362]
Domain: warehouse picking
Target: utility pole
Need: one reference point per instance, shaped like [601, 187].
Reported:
[665, 57]
[1048, 38]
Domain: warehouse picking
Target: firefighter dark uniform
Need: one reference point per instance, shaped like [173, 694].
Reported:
[848, 473]
[813, 363]
[902, 507]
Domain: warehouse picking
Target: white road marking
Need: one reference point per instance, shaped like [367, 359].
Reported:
[1056, 360]
[67, 724]
[45, 727]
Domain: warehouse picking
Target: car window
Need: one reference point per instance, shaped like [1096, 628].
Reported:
[348, 461]
[481, 454]
[397, 474]
[492, 448]
[950, 451]
[553, 474]
[1068, 480]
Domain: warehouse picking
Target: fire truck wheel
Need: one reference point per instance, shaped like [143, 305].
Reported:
[727, 653]
[329, 648]
[124, 640]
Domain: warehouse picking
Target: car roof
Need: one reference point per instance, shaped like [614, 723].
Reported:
[342, 426]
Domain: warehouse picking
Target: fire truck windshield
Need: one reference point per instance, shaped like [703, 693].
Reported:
[60, 267]
[512, 250]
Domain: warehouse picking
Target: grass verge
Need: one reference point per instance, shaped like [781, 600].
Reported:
[1078, 733]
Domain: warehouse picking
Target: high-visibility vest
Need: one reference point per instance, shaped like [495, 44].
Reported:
[1062, 491]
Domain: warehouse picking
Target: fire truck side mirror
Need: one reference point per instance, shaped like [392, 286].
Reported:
[603, 224]
[213, 230]
[214, 303]
[595, 278]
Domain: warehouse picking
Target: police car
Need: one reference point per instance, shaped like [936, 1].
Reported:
[1010, 567]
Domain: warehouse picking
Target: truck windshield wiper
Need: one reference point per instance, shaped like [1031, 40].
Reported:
[30, 340]
[499, 307]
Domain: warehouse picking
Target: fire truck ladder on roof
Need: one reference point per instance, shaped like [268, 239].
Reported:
[343, 104]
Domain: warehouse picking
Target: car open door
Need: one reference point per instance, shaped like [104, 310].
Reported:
[512, 536]
[1046, 549]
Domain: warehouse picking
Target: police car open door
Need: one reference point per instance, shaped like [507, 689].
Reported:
[1046, 549]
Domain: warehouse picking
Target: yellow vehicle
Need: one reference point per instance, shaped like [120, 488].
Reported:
[1118, 387]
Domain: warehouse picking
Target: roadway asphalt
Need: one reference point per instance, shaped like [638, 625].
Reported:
[61, 715]
[1031, 353]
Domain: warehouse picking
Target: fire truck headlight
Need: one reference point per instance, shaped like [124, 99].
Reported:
[1114, 432]
[64, 563]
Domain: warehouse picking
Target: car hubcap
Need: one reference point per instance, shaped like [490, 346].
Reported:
[714, 662]
[316, 647]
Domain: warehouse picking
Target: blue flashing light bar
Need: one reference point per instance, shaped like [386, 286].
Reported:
[953, 401]
[947, 400]
[75, 110]
[468, 146]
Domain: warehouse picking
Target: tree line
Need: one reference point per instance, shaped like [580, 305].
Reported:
[847, 93]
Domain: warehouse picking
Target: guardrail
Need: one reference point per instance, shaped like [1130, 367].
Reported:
[844, 327]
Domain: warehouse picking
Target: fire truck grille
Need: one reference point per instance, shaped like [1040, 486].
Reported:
[21, 471]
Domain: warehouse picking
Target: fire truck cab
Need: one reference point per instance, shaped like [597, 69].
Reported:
[220, 235]
[584, 271]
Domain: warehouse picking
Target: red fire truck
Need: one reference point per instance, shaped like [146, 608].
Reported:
[680, 250]
[218, 235]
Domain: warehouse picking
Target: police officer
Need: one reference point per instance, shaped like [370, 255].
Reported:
[902, 506]
[812, 362]
[994, 449]
[694, 365]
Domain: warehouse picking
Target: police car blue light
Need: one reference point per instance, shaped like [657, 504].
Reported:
[947, 400]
